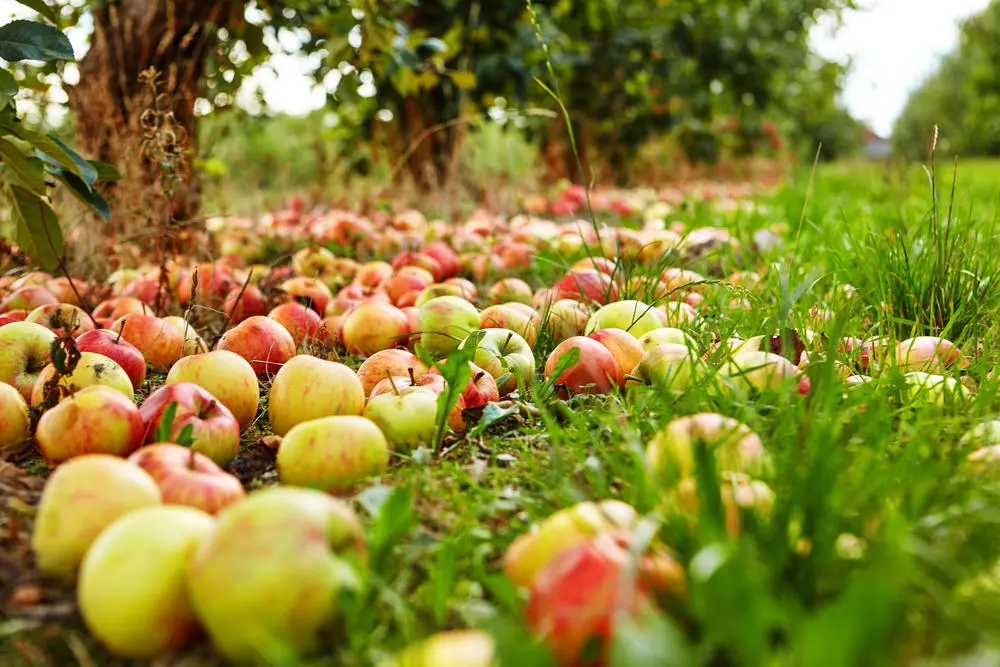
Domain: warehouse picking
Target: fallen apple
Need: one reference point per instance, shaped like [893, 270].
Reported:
[331, 453]
[308, 388]
[225, 375]
[186, 477]
[94, 420]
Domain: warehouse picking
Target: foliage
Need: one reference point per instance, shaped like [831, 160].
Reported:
[25, 175]
[962, 97]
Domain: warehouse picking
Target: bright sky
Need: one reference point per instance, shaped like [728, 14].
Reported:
[891, 44]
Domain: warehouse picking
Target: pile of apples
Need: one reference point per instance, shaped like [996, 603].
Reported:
[162, 542]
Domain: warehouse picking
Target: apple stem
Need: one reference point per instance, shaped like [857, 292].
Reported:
[388, 374]
[191, 461]
[413, 379]
[507, 342]
[121, 331]
[479, 376]
[632, 378]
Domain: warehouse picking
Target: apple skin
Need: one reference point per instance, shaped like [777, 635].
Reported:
[377, 367]
[28, 298]
[81, 498]
[250, 304]
[226, 376]
[510, 289]
[758, 370]
[216, 431]
[634, 317]
[407, 419]
[667, 365]
[436, 290]
[670, 454]
[936, 389]
[94, 420]
[132, 589]
[525, 322]
[261, 341]
[531, 552]
[651, 339]
[119, 350]
[191, 342]
[480, 390]
[928, 354]
[308, 291]
[308, 388]
[445, 256]
[160, 343]
[15, 421]
[596, 372]
[372, 327]
[622, 345]
[24, 352]
[72, 320]
[454, 648]
[186, 477]
[92, 369]
[373, 274]
[588, 286]
[504, 352]
[577, 598]
[332, 453]
[302, 322]
[566, 318]
[265, 582]
[13, 316]
[444, 322]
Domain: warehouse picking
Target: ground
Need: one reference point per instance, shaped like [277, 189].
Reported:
[880, 543]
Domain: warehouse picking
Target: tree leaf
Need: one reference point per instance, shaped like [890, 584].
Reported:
[30, 40]
[28, 171]
[166, 422]
[105, 172]
[493, 412]
[86, 171]
[456, 373]
[8, 88]
[38, 227]
[48, 150]
[43, 9]
[88, 196]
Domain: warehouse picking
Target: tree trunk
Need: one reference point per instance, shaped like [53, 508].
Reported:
[130, 37]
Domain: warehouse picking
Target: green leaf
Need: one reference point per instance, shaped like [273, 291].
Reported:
[166, 423]
[395, 519]
[30, 40]
[444, 580]
[493, 412]
[29, 171]
[85, 170]
[186, 437]
[48, 150]
[43, 9]
[8, 88]
[456, 373]
[38, 230]
[88, 196]
[463, 80]
[568, 358]
[105, 172]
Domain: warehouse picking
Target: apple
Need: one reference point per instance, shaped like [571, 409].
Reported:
[331, 453]
[309, 292]
[265, 583]
[132, 589]
[928, 354]
[24, 353]
[506, 356]
[118, 307]
[373, 274]
[670, 454]
[94, 420]
[80, 499]
[28, 298]
[225, 375]
[444, 322]
[507, 316]
[216, 432]
[595, 372]
[238, 308]
[576, 600]
[62, 318]
[588, 286]
[191, 342]
[314, 262]
[302, 322]
[445, 257]
[739, 493]
[160, 343]
[679, 313]
[407, 417]
[757, 370]
[119, 350]
[92, 369]
[667, 365]
[15, 421]
[13, 316]
[469, 291]
[262, 342]
[454, 648]
[482, 388]
[186, 477]
[510, 289]
[371, 327]
[565, 318]
[438, 290]
[622, 345]
[531, 552]
[308, 388]
[936, 389]
[634, 317]
[651, 339]
[377, 367]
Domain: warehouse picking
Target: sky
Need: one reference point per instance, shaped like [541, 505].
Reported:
[892, 45]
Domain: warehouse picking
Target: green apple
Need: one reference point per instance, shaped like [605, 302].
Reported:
[265, 583]
[670, 454]
[505, 354]
[81, 498]
[936, 389]
[132, 588]
[668, 365]
[444, 322]
[308, 388]
[634, 317]
[15, 421]
[332, 452]
[651, 339]
[24, 352]
[406, 417]
[92, 369]
[756, 370]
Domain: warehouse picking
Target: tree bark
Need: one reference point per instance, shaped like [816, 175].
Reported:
[130, 37]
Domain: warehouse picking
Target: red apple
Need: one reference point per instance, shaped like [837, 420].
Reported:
[588, 286]
[186, 477]
[308, 291]
[28, 298]
[118, 307]
[24, 353]
[261, 341]
[250, 304]
[388, 362]
[622, 345]
[62, 319]
[595, 372]
[216, 431]
[161, 343]
[371, 328]
[119, 350]
[301, 321]
[95, 420]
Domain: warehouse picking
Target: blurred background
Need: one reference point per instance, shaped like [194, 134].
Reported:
[357, 103]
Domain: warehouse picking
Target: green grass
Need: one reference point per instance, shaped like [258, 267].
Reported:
[882, 546]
